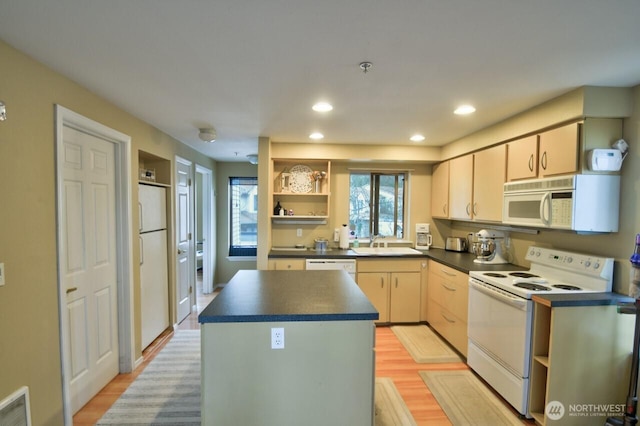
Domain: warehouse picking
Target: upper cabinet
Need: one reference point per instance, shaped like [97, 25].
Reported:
[475, 185]
[559, 149]
[440, 190]
[522, 158]
[461, 187]
[489, 174]
[302, 189]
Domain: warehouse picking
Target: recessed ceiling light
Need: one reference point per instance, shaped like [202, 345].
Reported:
[316, 136]
[464, 110]
[417, 138]
[322, 107]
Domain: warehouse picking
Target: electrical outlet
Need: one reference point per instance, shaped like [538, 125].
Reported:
[299, 232]
[1, 274]
[277, 338]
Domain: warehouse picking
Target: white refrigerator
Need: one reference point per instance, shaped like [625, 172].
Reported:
[154, 280]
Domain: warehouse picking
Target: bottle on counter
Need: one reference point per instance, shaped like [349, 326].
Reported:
[277, 209]
[356, 243]
[634, 282]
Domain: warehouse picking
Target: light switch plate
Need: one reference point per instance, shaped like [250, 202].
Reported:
[1, 274]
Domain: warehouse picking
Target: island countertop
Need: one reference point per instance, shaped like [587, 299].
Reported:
[270, 296]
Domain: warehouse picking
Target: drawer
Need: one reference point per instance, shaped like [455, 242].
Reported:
[450, 327]
[447, 272]
[286, 264]
[452, 294]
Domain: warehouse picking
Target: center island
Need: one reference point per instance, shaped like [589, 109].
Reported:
[288, 348]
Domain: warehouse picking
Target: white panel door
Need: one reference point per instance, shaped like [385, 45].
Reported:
[154, 285]
[88, 263]
[184, 240]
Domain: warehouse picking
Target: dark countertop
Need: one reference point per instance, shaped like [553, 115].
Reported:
[580, 299]
[270, 296]
[461, 261]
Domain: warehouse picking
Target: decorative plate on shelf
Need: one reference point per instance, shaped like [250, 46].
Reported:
[300, 179]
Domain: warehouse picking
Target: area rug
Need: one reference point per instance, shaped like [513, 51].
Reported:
[167, 392]
[466, 400]
[390, 408]
[424, 345]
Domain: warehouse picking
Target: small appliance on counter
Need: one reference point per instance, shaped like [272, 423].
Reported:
[490, 247]
[458, 244]
[423, 237]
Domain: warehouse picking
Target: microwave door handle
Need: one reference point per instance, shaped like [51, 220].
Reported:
[545, 209]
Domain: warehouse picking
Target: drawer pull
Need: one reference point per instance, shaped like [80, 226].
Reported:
[444, 271]
[448, 320]
[71, 290]
[448, 288]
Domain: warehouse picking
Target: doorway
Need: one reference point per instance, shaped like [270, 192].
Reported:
[94, 252]
[205, 249]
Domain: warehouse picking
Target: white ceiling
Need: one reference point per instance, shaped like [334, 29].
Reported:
[254, 67]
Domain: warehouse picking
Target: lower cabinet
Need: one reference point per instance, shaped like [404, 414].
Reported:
[393, 287]
[448, 295]
[286, 264]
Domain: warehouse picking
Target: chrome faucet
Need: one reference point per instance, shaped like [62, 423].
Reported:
[375, 239]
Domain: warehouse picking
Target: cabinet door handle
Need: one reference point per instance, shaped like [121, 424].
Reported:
[71, 290]
[448, 288]
[396, 282]
[381, 282]
[444, 208]
[543, 160]
[475, 208]
[444, 271]
[531, 163]
[468, 209]
[447, 319]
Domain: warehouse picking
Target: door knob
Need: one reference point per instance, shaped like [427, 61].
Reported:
[180, 251]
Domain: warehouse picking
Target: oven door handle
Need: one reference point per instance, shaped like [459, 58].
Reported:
[500, 295]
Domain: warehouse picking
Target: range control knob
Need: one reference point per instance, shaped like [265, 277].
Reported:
[596, 265]
[569, 259]
[587, 263]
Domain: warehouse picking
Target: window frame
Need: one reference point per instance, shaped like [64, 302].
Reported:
[375, 178]
[240, 250]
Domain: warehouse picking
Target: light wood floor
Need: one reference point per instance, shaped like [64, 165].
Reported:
[392, 360]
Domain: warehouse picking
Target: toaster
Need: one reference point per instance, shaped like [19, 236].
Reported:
[456, 244]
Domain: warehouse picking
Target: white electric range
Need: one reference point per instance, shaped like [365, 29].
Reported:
[500, 317]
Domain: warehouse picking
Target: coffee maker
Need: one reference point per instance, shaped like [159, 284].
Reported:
[423, 237]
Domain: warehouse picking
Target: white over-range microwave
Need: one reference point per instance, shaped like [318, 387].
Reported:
[582, 203]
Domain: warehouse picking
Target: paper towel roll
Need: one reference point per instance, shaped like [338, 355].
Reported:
[344, 237]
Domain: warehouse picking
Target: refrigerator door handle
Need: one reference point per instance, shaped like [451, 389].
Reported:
[141, 250]
[140, 226]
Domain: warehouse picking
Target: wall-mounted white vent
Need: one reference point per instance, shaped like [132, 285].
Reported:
[14, 409]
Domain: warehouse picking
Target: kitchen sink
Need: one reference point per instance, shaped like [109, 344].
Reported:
[388, 251]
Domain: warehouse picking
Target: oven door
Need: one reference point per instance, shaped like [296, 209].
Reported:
[527, 208]
[499, 323]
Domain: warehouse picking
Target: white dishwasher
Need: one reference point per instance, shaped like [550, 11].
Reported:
[348, 265]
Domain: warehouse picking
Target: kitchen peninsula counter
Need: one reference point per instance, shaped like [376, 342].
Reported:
[324, 371]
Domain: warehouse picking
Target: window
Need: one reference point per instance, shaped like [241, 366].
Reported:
[243, 214]
[376, 204]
